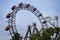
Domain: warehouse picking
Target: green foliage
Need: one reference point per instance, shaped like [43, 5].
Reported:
[16, 36]
[44, 34]
[35, 36]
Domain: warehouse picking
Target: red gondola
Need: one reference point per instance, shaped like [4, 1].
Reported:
[7, 28]
[34, 9]
[44, 22]
[20, 4]
[8, 15]
[27, 5]
[13, 7]
[39, 15]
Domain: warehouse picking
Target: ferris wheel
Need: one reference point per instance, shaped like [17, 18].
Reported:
[11, 16]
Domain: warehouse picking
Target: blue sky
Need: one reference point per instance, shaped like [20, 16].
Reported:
[24, 17]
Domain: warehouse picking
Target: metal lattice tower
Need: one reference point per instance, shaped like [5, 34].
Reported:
[31, 31]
